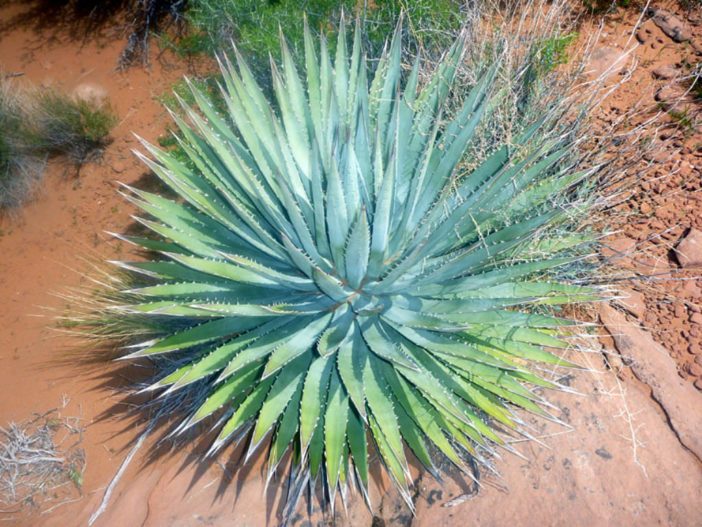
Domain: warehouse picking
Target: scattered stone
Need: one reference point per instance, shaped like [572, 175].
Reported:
[680, 310]
[653, 365]
[685, 169]
[694, 369]
[643, 34]
[656, 225]
[670, 24]
[613, 360]
[698, 384]
[605, 62]
[697, 47]
[689, 250]
[698, 358]
[664, 72]
[118, 166]
[666, 94]
[91, 93]
[602, 452]
[650, 318]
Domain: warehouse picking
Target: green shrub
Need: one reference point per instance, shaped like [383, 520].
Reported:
[336, 270]
[254, 25]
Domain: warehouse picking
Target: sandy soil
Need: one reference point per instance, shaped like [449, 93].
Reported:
[632, 456]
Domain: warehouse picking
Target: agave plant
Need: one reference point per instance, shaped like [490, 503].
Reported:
[336, 277]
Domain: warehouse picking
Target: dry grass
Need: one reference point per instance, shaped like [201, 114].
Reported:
[37, 123]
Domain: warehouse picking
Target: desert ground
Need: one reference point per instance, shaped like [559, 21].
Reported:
[631, 453]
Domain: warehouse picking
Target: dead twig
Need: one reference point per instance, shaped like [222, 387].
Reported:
[34, 466]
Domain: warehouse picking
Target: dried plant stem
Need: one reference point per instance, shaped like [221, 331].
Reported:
[118, 476]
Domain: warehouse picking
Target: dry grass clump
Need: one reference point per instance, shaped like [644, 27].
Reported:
[37, 123]
[41, 463]
[21, 163]
[76, 129]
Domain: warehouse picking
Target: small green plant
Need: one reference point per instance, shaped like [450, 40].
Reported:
[552, 52]
[337, 279]
[697, 88]
[682, 120]
[547, 55]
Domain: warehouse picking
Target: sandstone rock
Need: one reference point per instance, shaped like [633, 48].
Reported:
[691, 289]
[643, 35]
[664, 72]
[685, 169]
[666, 94]
[633, 302]
[652, 365]
[696, 318]
[118, 166]
[91, 93]
[670, 24]
[694, 369]
[680, 310]
[569, 483]
[689, 250]
[698, 384]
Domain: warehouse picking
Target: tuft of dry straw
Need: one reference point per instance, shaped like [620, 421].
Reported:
[41, 463]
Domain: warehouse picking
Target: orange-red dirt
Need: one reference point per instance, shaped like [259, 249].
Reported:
[621, 463]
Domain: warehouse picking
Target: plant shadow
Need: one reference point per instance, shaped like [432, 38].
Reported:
[101, 21]
[74, 20]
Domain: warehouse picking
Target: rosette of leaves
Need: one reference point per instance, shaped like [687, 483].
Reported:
[336, 279]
